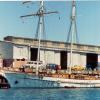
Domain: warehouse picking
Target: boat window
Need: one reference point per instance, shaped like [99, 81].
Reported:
[16, 82]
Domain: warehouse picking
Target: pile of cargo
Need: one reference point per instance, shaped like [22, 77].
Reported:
[53, 66]
[77, 68]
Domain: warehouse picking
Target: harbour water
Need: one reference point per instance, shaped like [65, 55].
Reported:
[50, 94]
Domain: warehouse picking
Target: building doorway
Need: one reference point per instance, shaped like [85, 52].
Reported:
[91, 60]
[33, 55]
[63, 59]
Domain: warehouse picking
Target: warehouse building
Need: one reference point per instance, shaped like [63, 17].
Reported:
[12, 54]
[17, 49]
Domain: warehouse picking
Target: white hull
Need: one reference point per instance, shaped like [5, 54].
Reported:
[17, 80]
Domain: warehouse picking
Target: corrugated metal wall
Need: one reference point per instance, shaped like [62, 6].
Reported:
[57, 57]
[50, 56]
[6, 50]
[99, 62]
[77, 59]
[20, 52]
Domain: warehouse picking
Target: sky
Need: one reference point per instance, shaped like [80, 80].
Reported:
[56, 25]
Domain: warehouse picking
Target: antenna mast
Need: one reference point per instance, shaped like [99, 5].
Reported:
[40, 27]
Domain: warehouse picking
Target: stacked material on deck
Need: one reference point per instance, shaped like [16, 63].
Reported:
[78, 68]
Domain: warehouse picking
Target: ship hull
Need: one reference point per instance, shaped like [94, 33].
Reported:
[23, 80]
[75, 83]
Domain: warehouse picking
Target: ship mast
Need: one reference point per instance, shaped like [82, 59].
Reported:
[72, 34]
[40, 27]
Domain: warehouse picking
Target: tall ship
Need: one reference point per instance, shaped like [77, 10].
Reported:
[42, 75]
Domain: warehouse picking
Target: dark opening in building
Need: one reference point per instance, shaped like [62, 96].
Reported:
[92, 60]
[33, 55]
[63, 60]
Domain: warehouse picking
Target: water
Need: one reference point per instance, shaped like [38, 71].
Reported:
[50, 94]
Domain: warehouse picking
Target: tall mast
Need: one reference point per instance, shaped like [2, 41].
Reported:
[40, 27]
[41, 21]
[73, 24]
[39, 33]
[72, 34]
